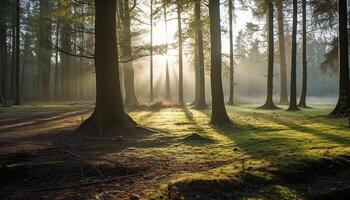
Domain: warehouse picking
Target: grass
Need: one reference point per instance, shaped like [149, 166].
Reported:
[263, 155]
[261, 143]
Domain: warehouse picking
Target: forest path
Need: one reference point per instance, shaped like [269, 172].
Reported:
[188, 158]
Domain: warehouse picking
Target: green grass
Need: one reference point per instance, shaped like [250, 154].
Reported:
[267, 141]
[262, 155]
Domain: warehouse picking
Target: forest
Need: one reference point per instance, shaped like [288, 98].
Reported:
[174, 99]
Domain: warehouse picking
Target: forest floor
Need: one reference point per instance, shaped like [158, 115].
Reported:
[263, 155]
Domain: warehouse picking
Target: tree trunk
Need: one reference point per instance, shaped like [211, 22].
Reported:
[17, 93]
[109, 110]
[181, 93]
[219, 115]
[302, 102]
[129, 81]
[3, 61]
[200, 99]
[283, 62]
[269, 97]
[44, 53]
[66, 62]
[293, 80]
[167, 77]
[343, 105]
[151, 54]
[232, 83]
[57, 82]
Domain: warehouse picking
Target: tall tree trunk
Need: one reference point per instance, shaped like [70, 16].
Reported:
[293, 80]
[17, 93]
[179, 28]
[66, 62]
[232, 83]
[151, 54]
[283, 62]
[24, 57]
[3, 61]
[343, 105]
[302, 102]
[129, 79]
[269, 97]
[219, 115]
[57, 82]
[109, 109]
[167, 77]
[200, 99]
[44, 53]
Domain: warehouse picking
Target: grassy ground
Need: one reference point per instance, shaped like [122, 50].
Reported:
[262, 155]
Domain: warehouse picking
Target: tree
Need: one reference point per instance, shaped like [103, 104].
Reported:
[167, 77]
[282, 49]
[125, 47]
[269, 97]
[302, 102]
[200, 94]
[181, 95]
[219, 115]
[44, 54]
[151, 52]
[293, 79]
[3, 55]
[17, 53]
[230, 13]
[109, 109]
[343, 105]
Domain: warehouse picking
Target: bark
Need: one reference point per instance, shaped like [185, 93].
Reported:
[17, 70]
[343, 105]
[109, 110]
[181, 95]
[230, 13]
[219, 115]
[302, 102]
[3, 62]
[269, 97]
[66, 62]
[129, 77]
[44, 54]
[167, 77]
[200, 99]
[293, 82]
[283, 62]
[151, 53]
[57, 82]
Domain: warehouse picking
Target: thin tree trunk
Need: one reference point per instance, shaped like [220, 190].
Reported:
[343, 105]
[232, 83]
[57, 90]
[181, 92]
[25, 53]
[219, 115]
[129, 77]
[293, 80]
[269, 97]
[44, 54]
[283, 63]
[167, 77]
[3, 61]
[66, 62]
[17, 93]
[302, 102]
[109, 109]
[151, 54]
[200, 100]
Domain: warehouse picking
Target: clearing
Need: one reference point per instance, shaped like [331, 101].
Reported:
[264, 155]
